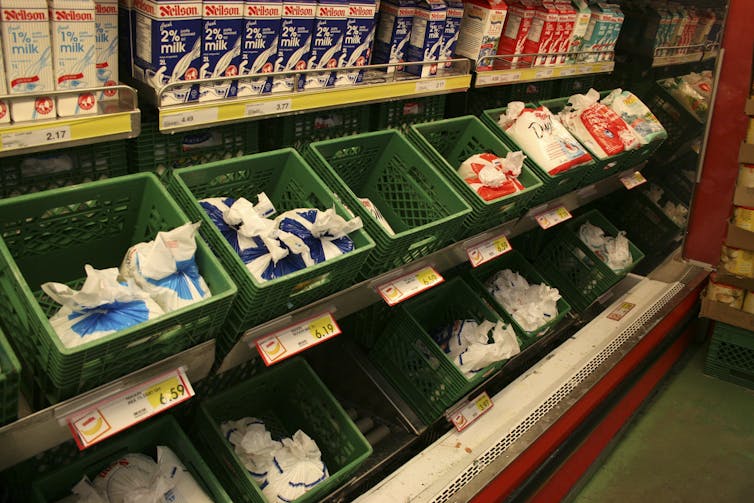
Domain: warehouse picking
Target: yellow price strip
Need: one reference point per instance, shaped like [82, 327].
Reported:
[285, 343]
[553, 217]
[406, 286]
[463, 417]
[490, 249]
[633, 180]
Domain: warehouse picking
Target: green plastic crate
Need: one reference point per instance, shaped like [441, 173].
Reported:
[401, 114]
[418, 203]
[682, 126]
[532, 91]
[731, 355]
[290, 183]
[576, 85]
[24, 174]
[516, 262]
[10, 370]
[448, 143]
[157, 152]
[571, 266]
[287, 397]
[143, 439]
[552, 185]
[50, 236]
[412, 361]
[300, 130]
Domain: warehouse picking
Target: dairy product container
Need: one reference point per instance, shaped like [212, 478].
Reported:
[568, 21]
[168, 46]
[704, 27]
[583, 15]
[481, 27]
[597, 33]
[106, 60]
[426, 36]
[452, 31]
[393, 32]
[262, 19]
[4, 110]
[295, 42]
[357, 43]
[542, 33]
[222, 35]
[516, 29]
[327, 44]
[125, 36]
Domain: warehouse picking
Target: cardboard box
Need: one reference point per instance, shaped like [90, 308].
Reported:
[481, 27]
[542, 33]
[426, 39]
[723, 312]
[726, 278]
[515, 31]
[739, 238]
[746, 153]
[393, 32]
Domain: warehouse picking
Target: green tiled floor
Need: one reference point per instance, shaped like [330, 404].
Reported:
[693, 443]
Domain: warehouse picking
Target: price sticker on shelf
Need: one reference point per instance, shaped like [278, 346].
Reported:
[488, 78]
[189, 118]
[543, 74]
[280, 345]
[565, 72]
[269, 107]
[409, 285]
[553, 217]
[116, 413]
[472, 411]
[430, 85]
[35, 137]
[633, 180]
[485, 251]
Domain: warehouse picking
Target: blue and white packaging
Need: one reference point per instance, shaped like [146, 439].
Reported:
[393, 33]
[295, 42]
[325, 233]
[106, 61]
[168, 46]
[426, 36]
[472, 346]
[357, 43]
[126, 36]
[222, 35]
[262, 20]
[327, 44]
[452, 31]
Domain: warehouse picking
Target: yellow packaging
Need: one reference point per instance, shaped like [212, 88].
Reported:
[749, 302]
[738, 262]
[726, 294]
[746, 176]
[743, 217]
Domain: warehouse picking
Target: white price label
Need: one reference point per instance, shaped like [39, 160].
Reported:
[471, 411]
[543, 74]
[292, 340]
[553, 217]
[633, 180]
[565, 72]
[582, 69]
[407, 286]
[190, 118]
[269, 107]
[484, 252]
[430, 85]
[487, 78]
[123, 410]
[621, 311]
[35, 137]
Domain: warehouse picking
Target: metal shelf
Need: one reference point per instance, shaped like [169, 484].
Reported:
[681, 55]
[117, 120]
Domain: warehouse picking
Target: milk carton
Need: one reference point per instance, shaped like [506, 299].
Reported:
[597, 33]
[222, 35]
[262, 19]
[327, 44]
[568, 20]
[357, 43]
[452, 31]
[426, 36]
[4, 111]
[168, 46]
[583, 15]
[481, 27]
[393, 32]
[616, 19]
[704, 27]
[28, 57]
[517, 24]
[295, 42]
[106, 59]
[125, 36]
[542, 33]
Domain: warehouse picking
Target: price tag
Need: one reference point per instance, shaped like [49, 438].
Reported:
[472, 411]
[292, 340]
[633, 180]
[543, 74]
[484, 252]
[36, 137]
[565, 72]
[116, 413]
[190, 118]
[621, 311]
[487, 78]
[409, 285]
[269, 107]
[430, 85]
[553, 217]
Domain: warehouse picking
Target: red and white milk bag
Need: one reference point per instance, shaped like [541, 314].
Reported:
[491, 176]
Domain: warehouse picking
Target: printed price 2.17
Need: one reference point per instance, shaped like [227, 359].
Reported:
[56, 135]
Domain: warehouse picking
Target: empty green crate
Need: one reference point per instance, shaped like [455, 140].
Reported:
[419, 204]
[532, 91]
[571, 266]
[144, 439]
[50, 236]
[679, 123]
[731, 355]
[290, 183]
[401, 114]
[300, 130]
[516, 262]
[414, 363]
[159, 153]
[448, 143]
[552, 185]
[10, 369]
[287, 397]
[576, 85]
[50, 170]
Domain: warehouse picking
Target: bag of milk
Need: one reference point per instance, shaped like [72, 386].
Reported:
[297, 468]
[613, 251]
[531, 305]
[83, 492]
[543, 138]
[473, 346]
[165, 268]
[325, 233]
[491, 176]
[597, 126]
[102, 306]
[636, 114]
[253, 445]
